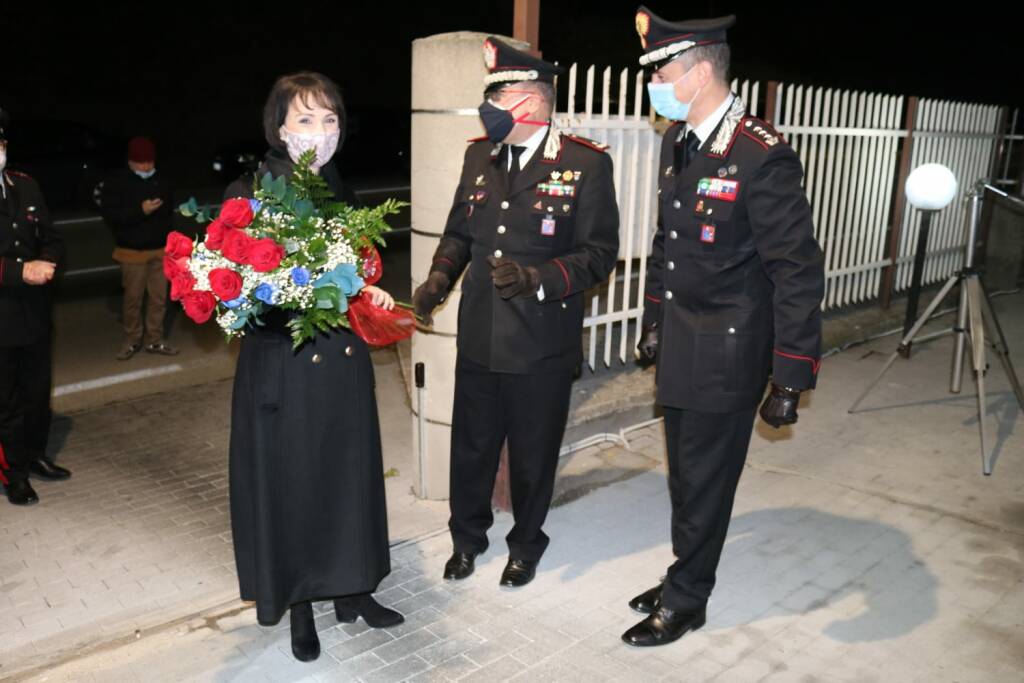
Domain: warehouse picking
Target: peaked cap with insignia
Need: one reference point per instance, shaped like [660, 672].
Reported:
[505, 64]
[663, 40]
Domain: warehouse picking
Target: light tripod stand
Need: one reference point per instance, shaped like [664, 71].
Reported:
[976, 323]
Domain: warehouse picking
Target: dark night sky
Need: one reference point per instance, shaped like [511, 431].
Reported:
[198, 79]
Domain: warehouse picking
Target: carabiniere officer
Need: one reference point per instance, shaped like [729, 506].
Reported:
[30, 249]
[534, 223]
[733, 296]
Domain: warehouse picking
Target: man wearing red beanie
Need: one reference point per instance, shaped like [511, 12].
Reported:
[136, 204]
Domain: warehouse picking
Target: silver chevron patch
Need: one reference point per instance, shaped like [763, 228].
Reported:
[732, 119]
[554, 142]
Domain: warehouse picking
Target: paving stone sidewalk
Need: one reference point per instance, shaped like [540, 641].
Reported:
[863, 547]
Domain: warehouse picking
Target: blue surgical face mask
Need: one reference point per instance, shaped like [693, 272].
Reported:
[146, 174]
[663, 99]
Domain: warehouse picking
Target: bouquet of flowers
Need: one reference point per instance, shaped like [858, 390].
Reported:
[292, 248]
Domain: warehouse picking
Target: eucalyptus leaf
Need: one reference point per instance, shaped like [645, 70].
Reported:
[304, 208]
[279, 187]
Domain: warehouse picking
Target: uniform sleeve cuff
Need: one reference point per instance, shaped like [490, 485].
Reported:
[554, 278]
[794, 370]
[10, 272]
[443, 264]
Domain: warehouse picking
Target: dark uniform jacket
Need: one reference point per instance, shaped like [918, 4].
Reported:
[735, 278]
[26, 234]
[559, 216]
[121, 200]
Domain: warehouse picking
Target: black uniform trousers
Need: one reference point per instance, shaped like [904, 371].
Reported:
[25, 383]
[531, 411]
[706, 453]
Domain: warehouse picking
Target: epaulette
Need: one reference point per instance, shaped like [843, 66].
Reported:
[479, 139]
[761, 132]
[586, 142]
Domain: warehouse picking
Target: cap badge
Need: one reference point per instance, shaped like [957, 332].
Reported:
[643, 27]
[490, 55]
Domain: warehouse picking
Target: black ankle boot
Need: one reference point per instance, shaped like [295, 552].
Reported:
[305, 644]
[376, 615]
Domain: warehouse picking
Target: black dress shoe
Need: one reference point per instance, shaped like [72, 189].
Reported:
[459, 566]
[663, 626]
[48, 470]
[376, 615]
[518, 573]
[648, 601]
[305, 644]
[20, 492]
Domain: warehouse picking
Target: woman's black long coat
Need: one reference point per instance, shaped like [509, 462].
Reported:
[308, 514]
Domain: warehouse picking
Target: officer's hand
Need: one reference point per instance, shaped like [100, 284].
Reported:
[779, 407]
[37, 272]
[648, 345]
[151, 205]
[428, 295]
[512, 278]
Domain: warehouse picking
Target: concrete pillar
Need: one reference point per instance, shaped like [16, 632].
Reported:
[447, 86]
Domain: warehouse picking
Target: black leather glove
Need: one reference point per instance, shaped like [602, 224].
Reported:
[512, 278]
[648, 344]
[779, 407]
[428, 295]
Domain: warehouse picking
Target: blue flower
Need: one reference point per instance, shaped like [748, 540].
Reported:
[300, 276]
[266, 293]
[344, 277]
[235, 303]
[255, 205]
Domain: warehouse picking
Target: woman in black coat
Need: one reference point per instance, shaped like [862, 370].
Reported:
[308, 514]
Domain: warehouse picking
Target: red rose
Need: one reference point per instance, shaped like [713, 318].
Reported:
[181, 284]
[173, 266]
[199, 305]
[236, 213]
[264, 255]
[225, 283]
[215, 234]
[236, 246]
[178, 245]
